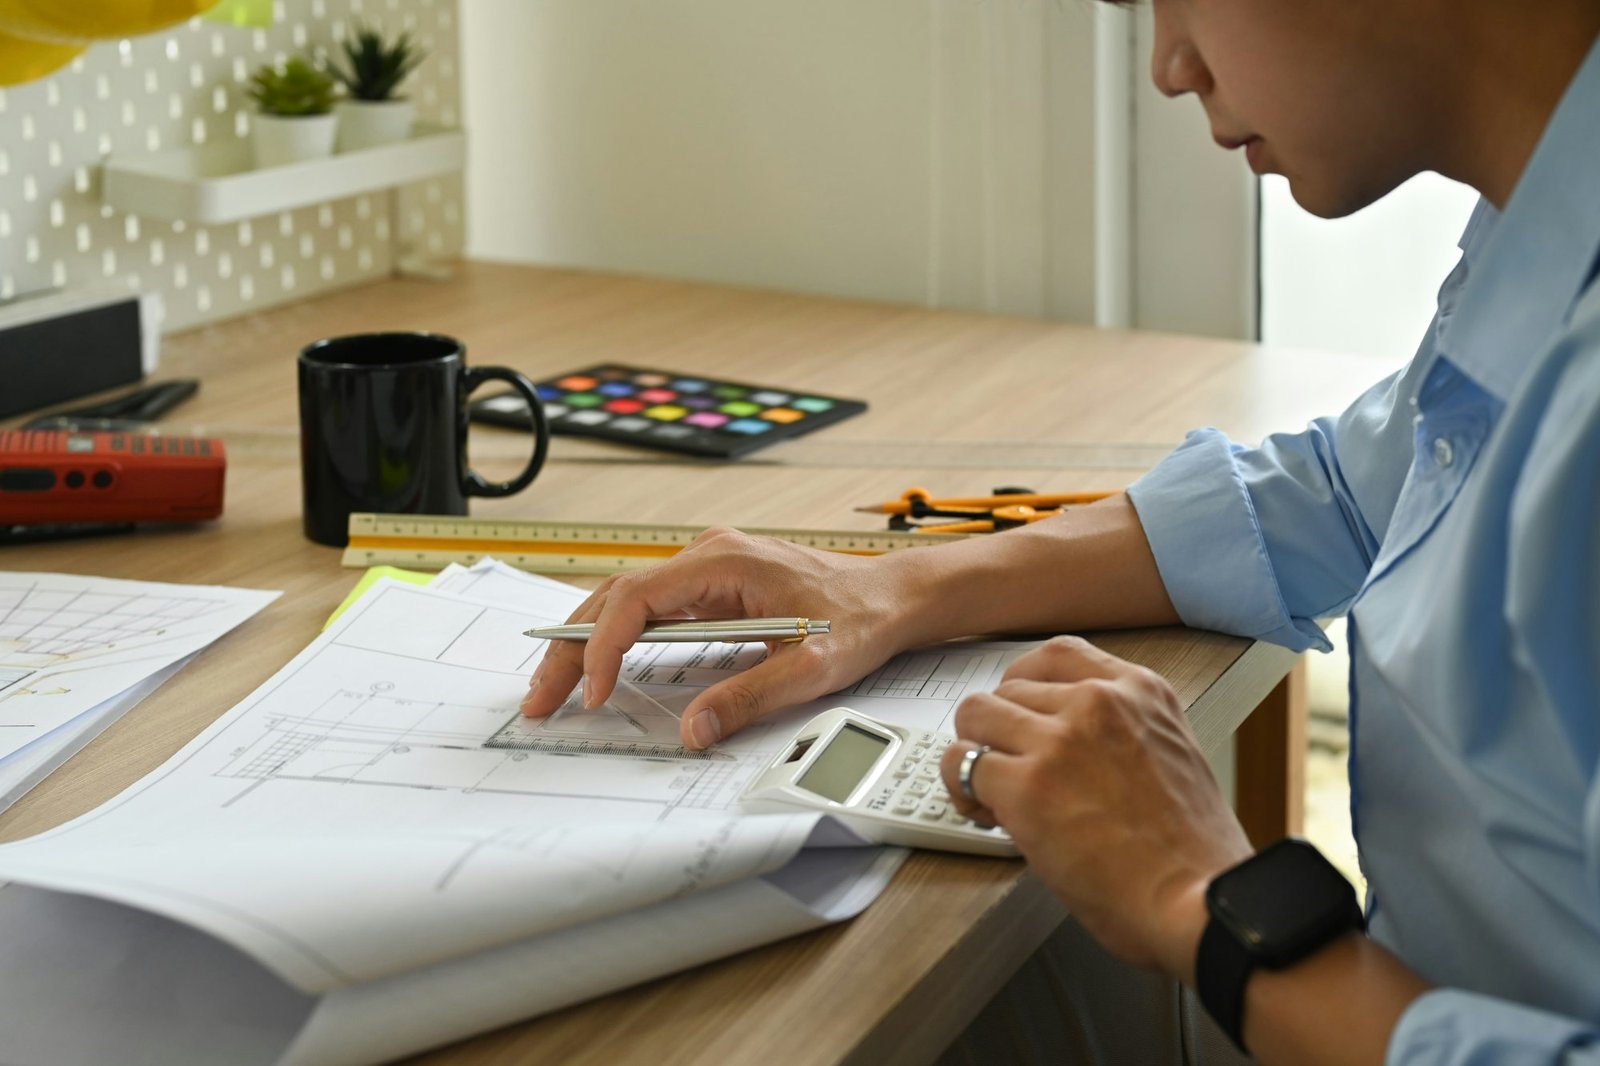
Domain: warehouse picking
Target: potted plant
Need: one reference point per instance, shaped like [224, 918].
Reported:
[296, 119]
[371, 113]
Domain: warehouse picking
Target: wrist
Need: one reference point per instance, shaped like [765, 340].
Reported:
[934, 597]
[1186, 918]
[1276, 909]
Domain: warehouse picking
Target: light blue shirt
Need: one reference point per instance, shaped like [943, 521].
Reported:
[1454, 512]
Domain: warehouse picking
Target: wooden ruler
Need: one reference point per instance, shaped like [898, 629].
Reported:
[432, 542]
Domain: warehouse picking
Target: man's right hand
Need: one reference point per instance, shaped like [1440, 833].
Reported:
[728, 574]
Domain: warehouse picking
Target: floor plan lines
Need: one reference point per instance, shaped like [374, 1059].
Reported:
[695, 666]
[277, 752]
[379, 738]
[10, 676]
[941, 674]
[42, 625]
[630, 723]
[70, 643]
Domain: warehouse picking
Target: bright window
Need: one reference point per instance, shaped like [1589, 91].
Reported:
[1365, 284]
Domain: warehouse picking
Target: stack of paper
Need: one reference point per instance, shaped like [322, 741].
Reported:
[343, 870]
[76, 653]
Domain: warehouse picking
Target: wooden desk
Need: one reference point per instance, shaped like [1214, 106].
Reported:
[897, 983]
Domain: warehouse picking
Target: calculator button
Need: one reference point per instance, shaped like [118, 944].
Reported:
[919, 753]
[906, 805]
[918, 788]
[927, 773]
[933, 810]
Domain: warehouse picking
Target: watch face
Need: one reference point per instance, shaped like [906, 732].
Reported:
[1283, 902]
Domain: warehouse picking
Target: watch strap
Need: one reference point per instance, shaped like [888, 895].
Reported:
[1222, 969]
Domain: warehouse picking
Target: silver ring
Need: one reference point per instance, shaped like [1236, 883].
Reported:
[969, 761]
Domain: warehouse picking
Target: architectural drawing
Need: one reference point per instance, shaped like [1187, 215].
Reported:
[69, 643]
[348, 822]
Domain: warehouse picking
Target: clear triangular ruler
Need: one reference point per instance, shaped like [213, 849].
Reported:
[631, 724]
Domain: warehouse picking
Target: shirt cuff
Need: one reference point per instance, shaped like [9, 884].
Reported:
[1201, 524]
[1449, 1027]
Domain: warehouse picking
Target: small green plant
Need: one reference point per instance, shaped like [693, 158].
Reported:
[297, 89]
[377, 67]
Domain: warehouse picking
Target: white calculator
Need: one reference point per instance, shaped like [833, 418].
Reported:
[879, 779]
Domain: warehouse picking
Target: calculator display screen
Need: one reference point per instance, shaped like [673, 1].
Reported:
[843, 763]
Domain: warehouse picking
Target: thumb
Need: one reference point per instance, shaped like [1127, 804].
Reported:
[785, 677]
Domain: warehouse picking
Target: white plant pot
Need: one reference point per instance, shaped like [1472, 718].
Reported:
[281, 139]
[369, 123]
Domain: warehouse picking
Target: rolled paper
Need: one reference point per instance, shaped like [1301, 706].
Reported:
[23, 59]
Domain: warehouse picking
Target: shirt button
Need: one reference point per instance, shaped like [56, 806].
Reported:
[1444, 452]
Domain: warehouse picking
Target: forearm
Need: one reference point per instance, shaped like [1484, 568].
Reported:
[1089, 568]
[1336, 1008]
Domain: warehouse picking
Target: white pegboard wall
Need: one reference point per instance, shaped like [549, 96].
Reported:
[186, 86]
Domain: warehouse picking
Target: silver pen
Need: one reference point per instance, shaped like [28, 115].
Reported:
[726, 630]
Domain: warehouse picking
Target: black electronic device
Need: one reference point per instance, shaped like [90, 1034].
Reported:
[61, 345]
[120, 413]
[1272, 910]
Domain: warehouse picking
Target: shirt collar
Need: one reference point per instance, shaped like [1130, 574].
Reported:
[1528, 265]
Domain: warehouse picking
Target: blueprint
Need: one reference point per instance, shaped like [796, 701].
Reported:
[78, 652]
[349, 830]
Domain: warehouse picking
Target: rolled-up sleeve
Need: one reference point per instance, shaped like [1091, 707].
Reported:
[1453, 1028]
[1261, 542]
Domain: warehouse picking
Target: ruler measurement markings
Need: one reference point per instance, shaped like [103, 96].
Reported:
[566, 547]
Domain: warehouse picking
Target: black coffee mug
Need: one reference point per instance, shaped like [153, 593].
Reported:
[383, 428]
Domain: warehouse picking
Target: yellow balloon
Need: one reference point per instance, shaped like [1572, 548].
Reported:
[81, 21]
[23, 60]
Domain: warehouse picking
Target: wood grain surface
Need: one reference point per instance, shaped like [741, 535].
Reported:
[895, 984]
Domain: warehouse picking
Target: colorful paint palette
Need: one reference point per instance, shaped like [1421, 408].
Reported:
[679, 412]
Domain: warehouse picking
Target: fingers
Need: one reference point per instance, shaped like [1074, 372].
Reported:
[1066, 659]
[618, 609]
[722, 573]
[789, 675]
[633, 599]
[1012, 722]
[1003, 726]
[561, 666]
[984, 780]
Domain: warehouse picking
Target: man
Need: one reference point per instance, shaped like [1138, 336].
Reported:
[1452, 512]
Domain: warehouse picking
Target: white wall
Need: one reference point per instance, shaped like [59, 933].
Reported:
[934, 152]
[1194, 239]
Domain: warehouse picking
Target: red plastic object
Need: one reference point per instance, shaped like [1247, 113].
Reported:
[51, 477]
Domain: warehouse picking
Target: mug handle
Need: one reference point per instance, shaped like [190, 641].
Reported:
[474, 483]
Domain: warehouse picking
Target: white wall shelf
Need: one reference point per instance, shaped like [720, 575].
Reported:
[220, 183]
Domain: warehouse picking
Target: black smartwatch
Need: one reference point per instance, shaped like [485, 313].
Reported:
[1274, 909]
